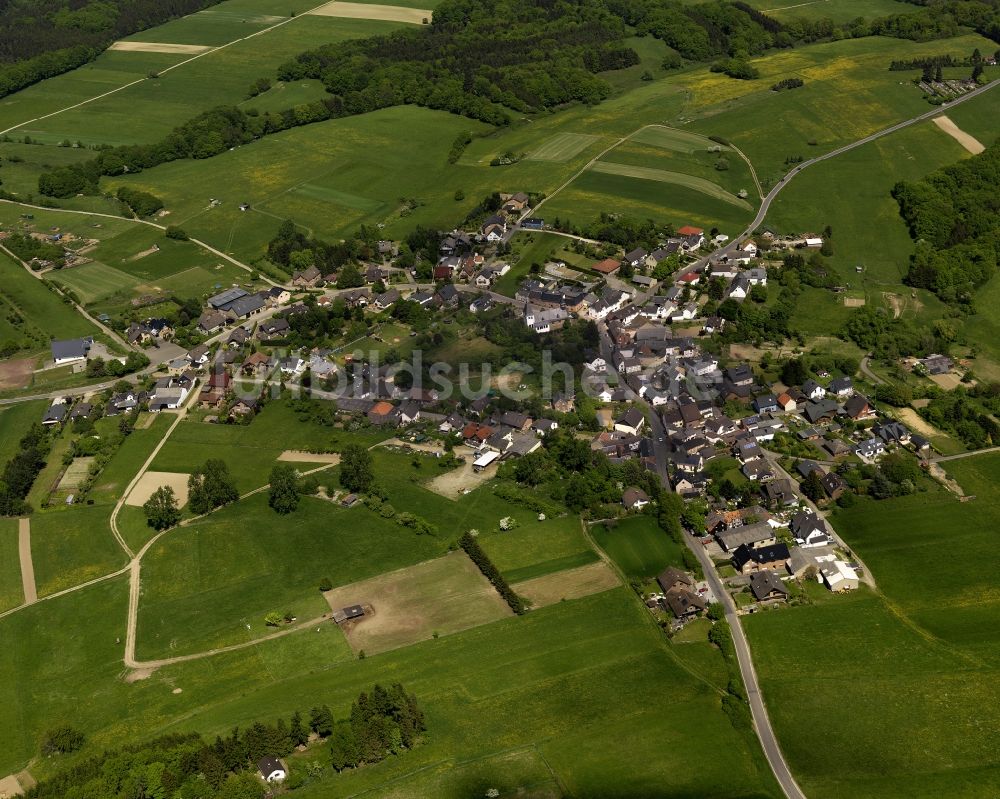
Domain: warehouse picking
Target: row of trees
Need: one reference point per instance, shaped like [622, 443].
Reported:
[478, 556]
[20, 471]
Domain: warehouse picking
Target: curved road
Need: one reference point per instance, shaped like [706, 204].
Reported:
[762, 724]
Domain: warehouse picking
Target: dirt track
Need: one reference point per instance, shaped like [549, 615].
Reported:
[416, 16]
[27, 566]
[970, 143]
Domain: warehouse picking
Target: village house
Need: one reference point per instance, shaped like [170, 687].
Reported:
[679, 593]
[766, 586]
[810, 530]
[383, 413]
[634, 498]
[307, 278]
[747, 559]
[756, 534]
[273, 329]
[494, 228]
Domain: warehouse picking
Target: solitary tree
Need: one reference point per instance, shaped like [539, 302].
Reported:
[161, 509]
[284, 496]
[356, 473]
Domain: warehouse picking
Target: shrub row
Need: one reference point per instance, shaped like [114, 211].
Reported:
[491, 572]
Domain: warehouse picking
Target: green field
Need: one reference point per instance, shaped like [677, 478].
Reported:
[594, 193]
[14, 423]
[562, 147]
[72, 546]
[910, 668]
[536, 548]
[41, 314]
[11, 592]
[639, 547]
[676, 178]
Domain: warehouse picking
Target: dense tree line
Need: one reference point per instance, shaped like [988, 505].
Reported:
[140, 203]
[983, 16]
[954, 214]
[968, 414]
[43, 38]
[184, 766]
[478, 556]
[20, 471]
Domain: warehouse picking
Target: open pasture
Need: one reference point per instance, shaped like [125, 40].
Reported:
[512, 704]
[11, 591]
[95, 281]
[437, 597]
[274, 564]
[151, 108]
[72, 545]
[839, 11]
[852, 193]
[849, 93]
[594, 193]
[535, 548]
[675, 140]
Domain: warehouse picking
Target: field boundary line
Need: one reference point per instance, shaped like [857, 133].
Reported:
[160, 72]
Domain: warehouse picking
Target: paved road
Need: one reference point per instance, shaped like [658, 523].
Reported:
[868, 373]
[761, 721]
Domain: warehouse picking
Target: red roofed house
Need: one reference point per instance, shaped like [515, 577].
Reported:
[607, 266]
[691, 278]
[476, 433]
[689, 230]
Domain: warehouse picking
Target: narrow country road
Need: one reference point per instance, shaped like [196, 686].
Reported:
[761, 721]
[866, 370]
[959, 456]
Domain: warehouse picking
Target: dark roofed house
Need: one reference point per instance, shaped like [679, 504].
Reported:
[635, 498]
[272, 329]
[747, 559]
[245, 307]
[767, 586]
[684, 604]
[307, 278]
[937, 364]
[81, 411]
[55, 413]
[857, 407]
[671, 578]
[74, 349]
[271, 770]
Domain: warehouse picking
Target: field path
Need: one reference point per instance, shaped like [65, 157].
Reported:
[27, 565]
[161, 72]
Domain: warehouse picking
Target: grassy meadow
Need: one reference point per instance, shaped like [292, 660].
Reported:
[919, 660]
[11, 592]
[639, 547]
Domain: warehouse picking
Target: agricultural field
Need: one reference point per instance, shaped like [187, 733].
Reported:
[72, 545]
[918, 657]
[535, 548]
[438, 597]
